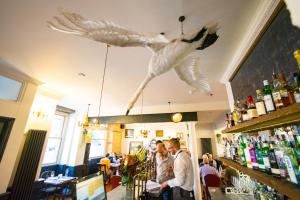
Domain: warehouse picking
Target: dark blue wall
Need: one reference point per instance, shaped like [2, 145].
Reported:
[77, 171]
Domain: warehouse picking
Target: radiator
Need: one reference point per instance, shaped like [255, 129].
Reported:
[28, 165]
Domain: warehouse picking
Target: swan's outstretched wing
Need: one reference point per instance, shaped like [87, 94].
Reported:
[105, 32]
[189, 72]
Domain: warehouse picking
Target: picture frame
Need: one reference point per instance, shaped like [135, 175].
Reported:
[134, 146]
[159, 133]
[180, 135]
[129, 133]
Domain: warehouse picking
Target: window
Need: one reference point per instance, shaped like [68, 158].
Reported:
[9, 88]
[54, 140]
[98, 143]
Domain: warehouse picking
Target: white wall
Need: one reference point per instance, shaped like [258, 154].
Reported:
[20, 111]
[170, 129]
[205, 130]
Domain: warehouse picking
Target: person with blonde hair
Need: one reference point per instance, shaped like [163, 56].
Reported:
[183, 183]
[206, 169]
[212, 162]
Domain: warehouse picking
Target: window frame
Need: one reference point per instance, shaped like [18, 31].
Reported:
[105, 143]
[62, 139]
[21, 91]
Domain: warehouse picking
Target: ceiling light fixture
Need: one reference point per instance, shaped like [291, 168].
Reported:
[97, 122]
[81, 74]
[175, 117]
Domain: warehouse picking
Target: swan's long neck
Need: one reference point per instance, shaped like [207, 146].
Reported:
[138, 92]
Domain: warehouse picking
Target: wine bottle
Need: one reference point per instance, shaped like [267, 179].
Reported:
[268, 97]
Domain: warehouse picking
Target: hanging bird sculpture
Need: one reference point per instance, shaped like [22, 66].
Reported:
[178, 54]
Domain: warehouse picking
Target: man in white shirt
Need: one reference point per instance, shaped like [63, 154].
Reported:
[183, 183]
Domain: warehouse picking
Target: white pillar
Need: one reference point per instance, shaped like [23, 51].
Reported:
[194, 156]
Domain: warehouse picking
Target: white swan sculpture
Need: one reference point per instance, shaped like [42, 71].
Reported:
[178, 53]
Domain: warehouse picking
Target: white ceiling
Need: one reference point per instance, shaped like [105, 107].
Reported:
[56, 58]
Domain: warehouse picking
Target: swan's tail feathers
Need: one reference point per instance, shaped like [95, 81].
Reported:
[198, 36]
[209, 40]
[211, 37]
[138, 93]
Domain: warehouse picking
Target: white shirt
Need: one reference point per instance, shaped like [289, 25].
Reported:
[162, 168]
[183, 171]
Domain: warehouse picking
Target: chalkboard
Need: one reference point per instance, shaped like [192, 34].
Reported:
[274, 51]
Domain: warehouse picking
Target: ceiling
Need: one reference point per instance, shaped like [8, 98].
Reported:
[56, 58]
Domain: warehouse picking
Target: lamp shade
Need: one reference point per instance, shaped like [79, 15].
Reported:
[176, 117]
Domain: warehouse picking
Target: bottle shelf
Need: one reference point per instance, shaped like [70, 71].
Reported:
[283, 116]
[283, 186]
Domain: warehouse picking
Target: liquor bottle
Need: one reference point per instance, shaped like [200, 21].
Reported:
[248, 156]
[268, 97]
[252, 112]
[258, 146]
[297, 91]
[227, 122]
[296, 87]
[296, 145]
[279, 157]
[276, 94]
[286, 92]
[273, 161]
[253, 155]
[232, 123]
[260, 105]
[290, 161]
[244, 113]
[265, 155]
[242, 151]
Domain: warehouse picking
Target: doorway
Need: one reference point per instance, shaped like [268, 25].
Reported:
[206, 146]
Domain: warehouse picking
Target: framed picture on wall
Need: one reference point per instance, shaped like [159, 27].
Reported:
[159, 133]
[129, 133]
[134, 146]
[180, 135]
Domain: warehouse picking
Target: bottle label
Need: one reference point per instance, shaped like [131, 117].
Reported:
[261, 166]
[269, 103]
[297, 97]
[252, 113]
[277, 99]
[290, 169]
[266, 162]
[275, 171]
[260, 107]
[284, 93]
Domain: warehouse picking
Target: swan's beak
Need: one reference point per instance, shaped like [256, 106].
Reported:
[127, 112]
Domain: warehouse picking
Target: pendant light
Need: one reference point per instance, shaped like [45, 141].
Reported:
[97, 122]
[175, 117]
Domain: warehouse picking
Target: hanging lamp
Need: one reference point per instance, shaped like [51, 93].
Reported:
[175, 117]
[96, 121]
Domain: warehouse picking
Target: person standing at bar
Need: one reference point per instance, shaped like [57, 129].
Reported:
[164, 168]
[183, 183]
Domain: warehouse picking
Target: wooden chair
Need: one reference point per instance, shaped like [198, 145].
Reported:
[211, 180]
[102, 168]
[115, 181]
